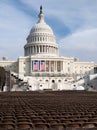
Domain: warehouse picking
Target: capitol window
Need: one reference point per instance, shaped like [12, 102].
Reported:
[40, 48]
[37, 49]
[38, 38]
[59, 80]
[52, 66]
[43, 38]
[58, 66]
[35, 38]
[43, 48]
[47, 65]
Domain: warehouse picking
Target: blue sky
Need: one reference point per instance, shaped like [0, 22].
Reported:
[74, 23]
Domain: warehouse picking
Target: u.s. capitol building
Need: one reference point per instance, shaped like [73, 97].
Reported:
[42, 67]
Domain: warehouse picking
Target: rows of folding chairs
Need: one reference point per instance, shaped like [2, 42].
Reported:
[48, 110]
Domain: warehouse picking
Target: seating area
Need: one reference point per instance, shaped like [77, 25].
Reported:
[48, 110]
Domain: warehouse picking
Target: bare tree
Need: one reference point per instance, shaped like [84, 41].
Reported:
[2, 78]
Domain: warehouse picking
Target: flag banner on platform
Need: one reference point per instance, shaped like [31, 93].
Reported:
[42, 65]
[35, 65]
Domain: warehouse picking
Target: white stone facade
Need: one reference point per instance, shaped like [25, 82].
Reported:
[41, 66]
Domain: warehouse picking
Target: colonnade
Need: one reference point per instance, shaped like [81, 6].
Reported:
[41, 39]
[40, 49]
[50, 66]
[54, 66]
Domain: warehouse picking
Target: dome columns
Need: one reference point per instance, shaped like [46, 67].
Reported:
[44, 38]
[40, 49]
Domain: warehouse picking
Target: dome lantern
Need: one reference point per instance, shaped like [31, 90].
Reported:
[41, 16]
[40, 9]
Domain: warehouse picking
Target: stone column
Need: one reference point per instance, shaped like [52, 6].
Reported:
[55, 50]
[49, 49]
[36, 39]
[26, 51]
[61, 66]
[32, 49]
[52, 50]
[44, 48]
[49, 66]
[45, 65]
[39, 49]
[56, 66]
[35, 49]
[29, 50]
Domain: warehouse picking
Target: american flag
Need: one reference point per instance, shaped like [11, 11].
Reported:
[42, 65]
[35, 65]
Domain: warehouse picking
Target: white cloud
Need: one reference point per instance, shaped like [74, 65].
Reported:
[14, 28]
[73, 13]
[85, 40]
[82, 44]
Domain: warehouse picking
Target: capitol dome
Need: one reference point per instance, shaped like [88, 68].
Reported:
[41, 39]
[41, 27]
